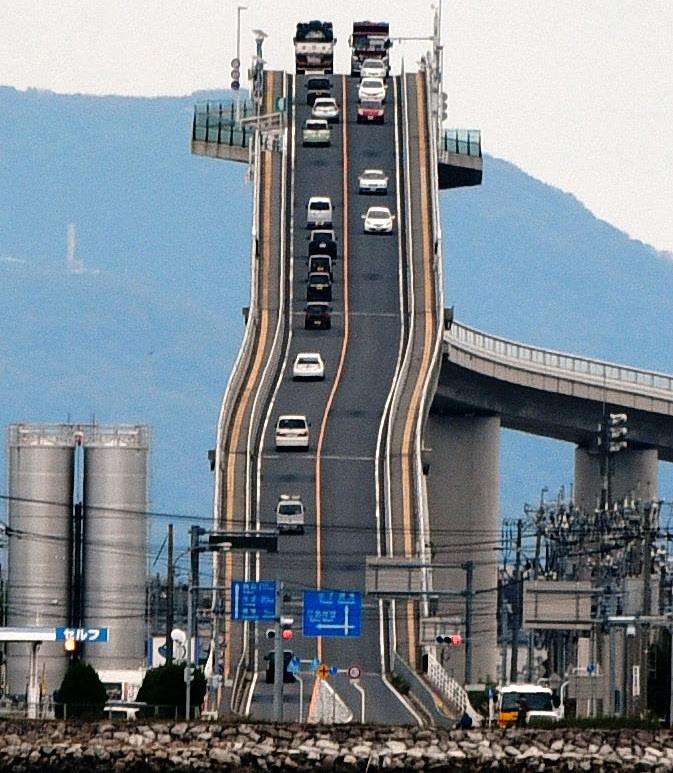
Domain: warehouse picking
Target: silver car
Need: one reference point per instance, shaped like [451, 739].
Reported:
[325, 107]
[316, 131]
[373, 181]
[319, 212]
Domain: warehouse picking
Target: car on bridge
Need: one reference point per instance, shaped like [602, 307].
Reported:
[378, 220]
[371, 111]
[308, 365]
[319, 211]
[316, 87]
[292, 432]
[320, 264]
[290, 515]
[316, 131]
[373, 68]
[326, 107]
[318, 316]
[319, 287]
[372, 88]
[322, 242]
[373, 181]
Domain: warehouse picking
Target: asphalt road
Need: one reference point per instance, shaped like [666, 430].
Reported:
[348, 529]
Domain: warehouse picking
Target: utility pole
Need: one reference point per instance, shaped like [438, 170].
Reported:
[469, 599]
[503, 638]
[278, 657]
[169, 597]
[644, 632]
[192, 606]
[516, 617]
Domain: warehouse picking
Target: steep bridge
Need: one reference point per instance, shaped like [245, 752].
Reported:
[404, 428]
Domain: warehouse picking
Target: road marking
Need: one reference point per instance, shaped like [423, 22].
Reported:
[330, 457]
[233, 456]
[414, 404]
[344, 349]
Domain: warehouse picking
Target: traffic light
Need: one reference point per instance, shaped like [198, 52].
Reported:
[618, 432]
[235, 74]
[454, 639]
[286, 624]
[288, 676]
[445, 106]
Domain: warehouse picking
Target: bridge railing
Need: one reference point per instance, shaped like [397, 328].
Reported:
[465, 141]
[583, 368]
[454, 694]
[217, 122]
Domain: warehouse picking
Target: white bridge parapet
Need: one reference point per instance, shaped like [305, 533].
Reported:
[454, 694]
[487, 354]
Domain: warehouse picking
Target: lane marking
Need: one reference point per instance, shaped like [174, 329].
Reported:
[233, 457]
[414, 404]
[344, 349]
[330, 457]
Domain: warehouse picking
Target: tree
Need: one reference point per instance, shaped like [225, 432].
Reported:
[165, 686]
[81, 691]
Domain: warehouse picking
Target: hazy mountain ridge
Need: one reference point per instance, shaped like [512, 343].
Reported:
[153, 335]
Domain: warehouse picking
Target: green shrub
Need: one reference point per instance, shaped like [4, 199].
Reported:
[400, 683]
[81, 691]
[165, 687]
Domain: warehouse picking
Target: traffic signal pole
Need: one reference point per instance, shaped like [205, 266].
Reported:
[278, 657]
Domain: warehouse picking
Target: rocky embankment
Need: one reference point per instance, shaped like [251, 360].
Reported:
[44, 746]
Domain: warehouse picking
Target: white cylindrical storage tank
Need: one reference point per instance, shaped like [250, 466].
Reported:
[41, 469]
[115, 543]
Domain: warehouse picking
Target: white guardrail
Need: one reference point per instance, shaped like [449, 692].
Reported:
[451, 690]
[556, 363]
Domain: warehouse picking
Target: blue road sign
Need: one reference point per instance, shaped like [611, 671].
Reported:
[253, 600]
[89, 635]
[314, 664]
[294, 666]
[332, 613]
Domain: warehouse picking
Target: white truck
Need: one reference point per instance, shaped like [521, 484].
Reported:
[370, 40]
[314, 47]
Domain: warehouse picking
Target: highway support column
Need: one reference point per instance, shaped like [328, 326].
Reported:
[463, 484]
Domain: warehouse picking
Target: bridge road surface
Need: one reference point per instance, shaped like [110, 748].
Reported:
[345, 411]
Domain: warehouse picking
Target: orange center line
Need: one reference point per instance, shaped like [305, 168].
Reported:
[342, 358]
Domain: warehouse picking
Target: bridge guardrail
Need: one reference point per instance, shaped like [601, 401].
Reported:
[464, 141]
[451, 690]
[217, 122]
[557, 363]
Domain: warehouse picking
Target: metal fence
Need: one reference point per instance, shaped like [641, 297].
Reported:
[582, 367]
[450, 689]
[218, 122]
[465, 141]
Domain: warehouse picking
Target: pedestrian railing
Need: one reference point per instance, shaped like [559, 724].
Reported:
[559, 363]
[220, 123]
[453, 692]
[464, 141]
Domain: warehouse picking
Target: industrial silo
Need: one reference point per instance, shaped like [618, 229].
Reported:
[41, 472]
[115, 543]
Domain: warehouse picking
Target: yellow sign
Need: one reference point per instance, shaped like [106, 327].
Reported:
[322, 672]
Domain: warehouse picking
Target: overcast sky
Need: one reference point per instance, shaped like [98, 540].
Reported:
[577, 92]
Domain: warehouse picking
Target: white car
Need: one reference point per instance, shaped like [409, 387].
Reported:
[378, 220]
[373, 68]
[319, 212]
[290, 514]
[371, 89]
[325, 107]
[308, 365]
[292, 432]
[373, 181]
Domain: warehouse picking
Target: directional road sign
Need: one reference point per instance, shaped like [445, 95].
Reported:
[88, 635]
[332, 613]
[253, 600]
[294, 665]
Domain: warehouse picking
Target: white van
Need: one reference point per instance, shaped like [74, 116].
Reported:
[319, 212]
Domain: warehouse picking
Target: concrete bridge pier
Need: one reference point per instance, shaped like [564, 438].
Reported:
[636, 475]
[463, 484]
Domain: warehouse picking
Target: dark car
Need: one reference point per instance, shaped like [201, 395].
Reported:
[371, 111]
[320, 264]
[317, 87]
[322, 244]
[319, 287]
[318, 316]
